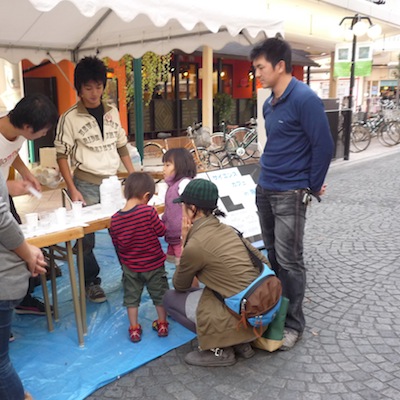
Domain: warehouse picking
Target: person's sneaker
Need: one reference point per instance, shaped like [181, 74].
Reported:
[11, 338]
[31, 305]
[290, 338]
[161, 327]
[244, 350]
[95, 293]
[212, 358]
[135, 333]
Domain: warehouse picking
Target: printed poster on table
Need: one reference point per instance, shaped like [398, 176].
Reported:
[237, 192]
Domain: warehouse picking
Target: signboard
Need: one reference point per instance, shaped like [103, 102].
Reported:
[362, 60]
[237, 192]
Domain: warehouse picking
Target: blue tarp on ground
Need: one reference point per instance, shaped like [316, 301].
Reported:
[53, 366]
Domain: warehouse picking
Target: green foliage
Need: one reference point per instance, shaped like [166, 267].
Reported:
[223, 106]
[129, 84]
[155, 68]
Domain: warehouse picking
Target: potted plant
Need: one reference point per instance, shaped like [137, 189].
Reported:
[223, 106]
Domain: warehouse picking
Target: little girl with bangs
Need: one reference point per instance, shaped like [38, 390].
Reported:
[179, 169]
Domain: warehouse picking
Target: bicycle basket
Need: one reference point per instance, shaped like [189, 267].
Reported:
[202, 137]
[391, 114]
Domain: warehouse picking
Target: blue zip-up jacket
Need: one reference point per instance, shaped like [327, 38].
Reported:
[299, 144]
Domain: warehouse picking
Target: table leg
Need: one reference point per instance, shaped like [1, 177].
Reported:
[47, 302]
[75, 297]
[53, 283]
[82, 289]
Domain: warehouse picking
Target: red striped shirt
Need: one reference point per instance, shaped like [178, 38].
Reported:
[135, 234]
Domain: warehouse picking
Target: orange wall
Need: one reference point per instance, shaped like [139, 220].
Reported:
[66, 93]
[242, 86]
[298, 72]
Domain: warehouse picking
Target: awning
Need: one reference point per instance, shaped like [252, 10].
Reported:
[35, 29]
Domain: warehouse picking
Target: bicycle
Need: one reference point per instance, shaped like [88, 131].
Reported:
[391, 136]
[237, 141]
[196, 136]
[387, 130]
[360, 136]
[201, 139]
[153, 150]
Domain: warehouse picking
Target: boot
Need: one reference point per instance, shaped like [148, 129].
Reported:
[244, 350]
[212, 358]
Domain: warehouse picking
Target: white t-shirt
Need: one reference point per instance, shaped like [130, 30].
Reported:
[8, 152]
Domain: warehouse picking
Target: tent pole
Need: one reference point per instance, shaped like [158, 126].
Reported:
[207, 103]
[137, 79]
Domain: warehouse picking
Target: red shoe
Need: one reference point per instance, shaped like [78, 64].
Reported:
[161, 327]
[135, 333]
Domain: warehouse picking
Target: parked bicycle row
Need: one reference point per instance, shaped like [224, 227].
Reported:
[232, 146]
[384, 125]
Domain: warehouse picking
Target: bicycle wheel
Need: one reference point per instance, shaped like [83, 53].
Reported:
[217, 141]
[360, 138]
[232, 161]
[244, 139]
[389, 133]
[394, 131]
[208, 158]
[152, 154]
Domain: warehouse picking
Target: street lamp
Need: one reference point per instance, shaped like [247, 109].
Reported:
[359, 26]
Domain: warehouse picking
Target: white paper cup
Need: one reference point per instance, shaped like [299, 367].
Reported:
[77, 209]
[61, 215]
[44, 219]
[32, 221]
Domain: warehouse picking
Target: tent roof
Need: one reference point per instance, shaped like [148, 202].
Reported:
[64, 29]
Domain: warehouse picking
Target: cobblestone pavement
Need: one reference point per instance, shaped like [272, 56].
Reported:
[351, 346]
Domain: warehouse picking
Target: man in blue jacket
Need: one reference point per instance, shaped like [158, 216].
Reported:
[294, 164]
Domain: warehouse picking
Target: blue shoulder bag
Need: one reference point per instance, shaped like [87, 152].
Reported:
[257, 304]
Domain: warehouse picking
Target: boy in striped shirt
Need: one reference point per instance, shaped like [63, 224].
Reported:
[135, 232]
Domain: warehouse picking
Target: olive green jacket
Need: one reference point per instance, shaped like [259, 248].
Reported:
[217, 257]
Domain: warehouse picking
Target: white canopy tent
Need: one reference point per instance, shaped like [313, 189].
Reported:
[70, 29]
[74, 28]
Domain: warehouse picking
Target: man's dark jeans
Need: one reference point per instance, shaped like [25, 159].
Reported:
[91, 194]
[282, 219]
[10, 383]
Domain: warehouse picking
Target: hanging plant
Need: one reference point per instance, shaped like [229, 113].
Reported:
[127, 60]
[155, 68]
[106, 93]
[127, 63]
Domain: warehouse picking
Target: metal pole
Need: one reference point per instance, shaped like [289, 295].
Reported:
[139, 134]
[348, 120]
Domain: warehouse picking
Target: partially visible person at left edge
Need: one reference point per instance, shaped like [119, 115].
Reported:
[91, 134]
[294, 164]
[33, 117]
[19, 260]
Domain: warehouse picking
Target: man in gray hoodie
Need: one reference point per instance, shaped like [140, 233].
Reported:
[19, 260]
